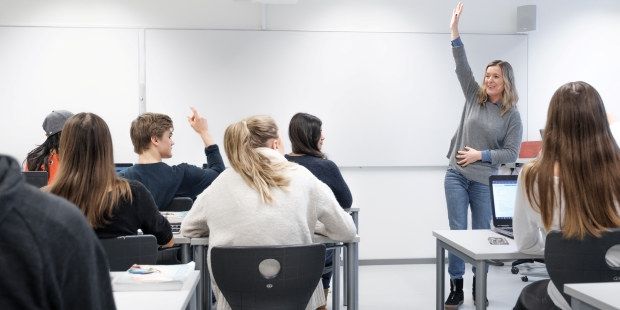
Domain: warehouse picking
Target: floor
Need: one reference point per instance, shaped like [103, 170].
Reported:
[413, 287]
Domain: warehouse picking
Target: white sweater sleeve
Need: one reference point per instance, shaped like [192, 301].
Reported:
[526, 223]
[195, 222]
[334, 222]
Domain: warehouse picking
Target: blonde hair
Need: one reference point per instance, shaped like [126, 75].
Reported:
[577, 139]
[510, 96]
[240, 142]
[86, 176]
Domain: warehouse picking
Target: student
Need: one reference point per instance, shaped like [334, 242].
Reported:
[574, 186]
[45, 156]
[307, 139]
[151, 135]
[50, 258]
[264, 199]
[489, 134]
[112, 205]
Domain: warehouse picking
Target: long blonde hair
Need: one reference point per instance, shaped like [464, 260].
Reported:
[510, 96]
[577, 138]
[240, 142]
[86, 176]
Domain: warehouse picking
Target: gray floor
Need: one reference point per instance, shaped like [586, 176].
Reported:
[413, 287]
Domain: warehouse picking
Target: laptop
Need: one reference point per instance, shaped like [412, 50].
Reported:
[503, 197]
[175, 219]
[36, 178]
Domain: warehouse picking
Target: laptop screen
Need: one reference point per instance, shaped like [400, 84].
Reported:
[503, 196]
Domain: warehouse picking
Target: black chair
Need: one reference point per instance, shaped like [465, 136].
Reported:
[179, 204]
[268, 277]
[575, 261]
[125, 251]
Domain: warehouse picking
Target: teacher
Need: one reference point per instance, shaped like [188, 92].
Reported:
[489, 134]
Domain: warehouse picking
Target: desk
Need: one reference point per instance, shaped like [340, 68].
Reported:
[473, 247]
[602, 295]
[351, 266]
[156, 300]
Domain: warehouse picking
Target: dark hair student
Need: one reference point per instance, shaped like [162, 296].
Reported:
[306, 134]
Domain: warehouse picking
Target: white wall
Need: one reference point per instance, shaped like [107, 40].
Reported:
[399, 206]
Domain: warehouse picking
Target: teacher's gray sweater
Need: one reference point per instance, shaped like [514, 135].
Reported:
[483, 128]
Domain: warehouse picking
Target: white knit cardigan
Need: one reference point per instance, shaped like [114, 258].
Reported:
[231, 213]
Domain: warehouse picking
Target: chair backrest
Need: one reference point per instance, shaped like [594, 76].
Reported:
[580, 261]
[250, 279]
[125, 251]
[179, 204]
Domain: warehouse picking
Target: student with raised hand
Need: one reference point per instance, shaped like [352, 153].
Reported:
[489, 134]
[264, 199]
[574, 185]
[307, 139]
[45, 156]
[112, 205]
[151, 135]
[50, 257]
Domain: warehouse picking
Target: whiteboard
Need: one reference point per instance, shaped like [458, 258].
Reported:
[385, 99]
[75, 69]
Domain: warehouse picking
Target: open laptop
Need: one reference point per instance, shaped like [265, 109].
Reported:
[503, 196]
[175, 219]
[36, 178]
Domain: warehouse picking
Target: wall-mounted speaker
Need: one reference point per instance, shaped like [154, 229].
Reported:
[526, 18]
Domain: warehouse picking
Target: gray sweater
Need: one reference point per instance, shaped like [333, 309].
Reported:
[482, 128]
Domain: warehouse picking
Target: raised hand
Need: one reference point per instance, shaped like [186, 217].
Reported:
[454, 22]
[200, 125]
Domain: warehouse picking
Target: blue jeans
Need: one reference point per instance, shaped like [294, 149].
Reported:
[461, 193]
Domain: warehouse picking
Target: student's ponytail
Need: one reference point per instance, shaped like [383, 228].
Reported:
[240, 142]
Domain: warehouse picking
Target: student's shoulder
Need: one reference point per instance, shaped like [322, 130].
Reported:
[53, 217]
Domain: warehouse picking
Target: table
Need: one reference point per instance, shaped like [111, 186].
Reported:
[203, 297]
[604, 295]
[156, 300]
[473, 247]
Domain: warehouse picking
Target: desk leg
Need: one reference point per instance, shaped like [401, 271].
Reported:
[204, 283]
[440, 271]
[336, 279]
[185, 253]
[345, 275]
[352, 266]
[481, 285]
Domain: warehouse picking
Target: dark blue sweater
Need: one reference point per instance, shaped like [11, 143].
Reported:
[184, 180]
[326, 171]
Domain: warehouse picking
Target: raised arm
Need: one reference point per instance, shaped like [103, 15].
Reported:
[463, 71]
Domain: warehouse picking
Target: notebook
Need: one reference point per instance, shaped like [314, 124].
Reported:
[503, 196]
[36, 178]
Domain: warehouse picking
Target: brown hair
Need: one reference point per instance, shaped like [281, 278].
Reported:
[146, 126]
[86, 176]
[240, 142]
[578, 140]
[510, 96]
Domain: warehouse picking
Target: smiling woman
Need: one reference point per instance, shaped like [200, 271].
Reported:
[489, 134]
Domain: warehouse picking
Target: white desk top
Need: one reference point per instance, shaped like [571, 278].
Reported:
[156, 300]
[604, 296]
[475, 244]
